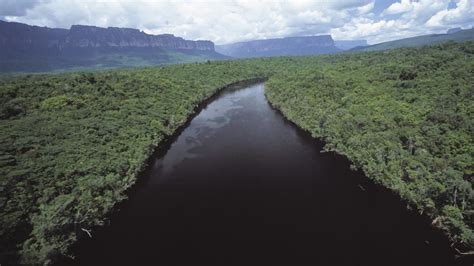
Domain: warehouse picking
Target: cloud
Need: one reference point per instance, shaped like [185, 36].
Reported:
[228, 21]
[373, 30]
[411, 19]
[345, 4]
[366, 9]
[220, 21]
[16, 7]
[423, 10]
[461, 15]
[399, 7]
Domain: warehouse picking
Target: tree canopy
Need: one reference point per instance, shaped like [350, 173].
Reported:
[73, 143]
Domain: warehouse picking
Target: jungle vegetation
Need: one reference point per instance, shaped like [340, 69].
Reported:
[405, 117]
[73, 143]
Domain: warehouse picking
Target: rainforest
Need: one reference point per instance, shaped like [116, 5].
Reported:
[73, 144]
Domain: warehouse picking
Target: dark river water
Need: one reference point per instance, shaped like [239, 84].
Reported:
[242, 186]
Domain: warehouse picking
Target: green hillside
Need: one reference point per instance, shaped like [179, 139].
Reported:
[460, 36]
[73, 143]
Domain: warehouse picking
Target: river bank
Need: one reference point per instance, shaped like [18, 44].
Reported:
[240, 183]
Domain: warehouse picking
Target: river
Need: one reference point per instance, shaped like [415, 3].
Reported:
[240, 185]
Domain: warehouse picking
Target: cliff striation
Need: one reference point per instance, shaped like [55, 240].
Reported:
[21, 36]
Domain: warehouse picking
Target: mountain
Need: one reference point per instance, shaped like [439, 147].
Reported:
[306, 45]
[347, 45]
[32, 48]
[456, 36]
[454, 30]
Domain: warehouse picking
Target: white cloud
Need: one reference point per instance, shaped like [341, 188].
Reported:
[366, 9]
[459, 16]
[373, 30]
[236, 20]
[405, 19]
[220, 21]
[399, 7]
[423, 10]
[345, 4]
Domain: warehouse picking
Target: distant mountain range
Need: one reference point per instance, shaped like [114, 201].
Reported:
[456, 35]
[25, 48]
[22, 36]
[309, 45]
[32, 48]
[302, 45]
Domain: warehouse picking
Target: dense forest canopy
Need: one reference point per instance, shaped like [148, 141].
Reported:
[72, 144]
[404, 117]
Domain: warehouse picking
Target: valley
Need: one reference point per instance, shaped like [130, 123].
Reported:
[242, 184]
[73, 144]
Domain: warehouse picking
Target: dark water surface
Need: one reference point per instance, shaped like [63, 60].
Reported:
[242, 186]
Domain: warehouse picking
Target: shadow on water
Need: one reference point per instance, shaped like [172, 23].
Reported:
[240, 185]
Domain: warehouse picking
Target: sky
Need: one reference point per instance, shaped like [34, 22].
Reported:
[228, 21]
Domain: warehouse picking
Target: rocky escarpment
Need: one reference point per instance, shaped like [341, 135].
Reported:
[18, 36]
[25, 48]
[305, 45]
[14, 36]
[89, 36]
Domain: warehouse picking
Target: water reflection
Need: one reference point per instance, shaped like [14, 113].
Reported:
[241, 185]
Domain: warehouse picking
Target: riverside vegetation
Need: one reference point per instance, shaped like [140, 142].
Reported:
[72, 144]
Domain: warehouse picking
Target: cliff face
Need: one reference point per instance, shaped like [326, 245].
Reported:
[89, 36]
[22, 36]
[305, 45]
[25, 48]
